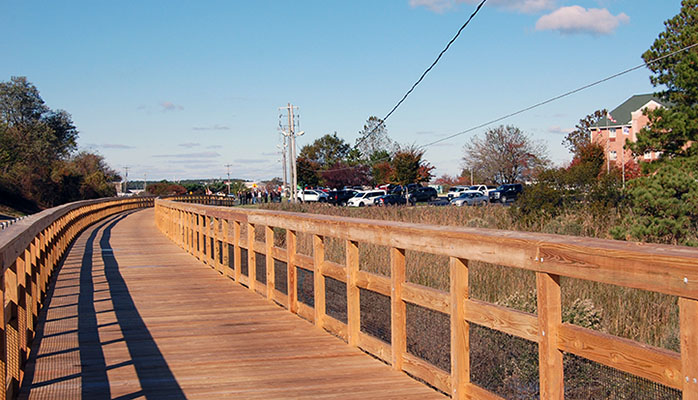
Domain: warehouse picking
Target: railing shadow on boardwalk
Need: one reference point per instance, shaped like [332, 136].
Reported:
[154, 375]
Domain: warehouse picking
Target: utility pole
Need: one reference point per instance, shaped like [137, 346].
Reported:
[145, 182]
[228, 183]
[126, 179]
[291, 133]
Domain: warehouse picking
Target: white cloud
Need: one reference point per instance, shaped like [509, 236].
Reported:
[169, 106]
[189, 145]
[559, 130]
[216, 127]
[438, 6]
[525, 6]
[204, 154]
[577, 19]
[116, 146]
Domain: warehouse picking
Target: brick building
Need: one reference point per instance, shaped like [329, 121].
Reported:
[623, 124]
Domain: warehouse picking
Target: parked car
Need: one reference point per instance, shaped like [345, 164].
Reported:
[485, 189]
[423, 194]
[506, 193]
[389, 200]
[471, 198]
[365, 198]
[312, 195]
[340, 197]
[455, 191]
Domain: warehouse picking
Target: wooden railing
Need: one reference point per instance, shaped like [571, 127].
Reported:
[204, 230]
[30, 249]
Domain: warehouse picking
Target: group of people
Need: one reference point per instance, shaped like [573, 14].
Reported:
[258, 196]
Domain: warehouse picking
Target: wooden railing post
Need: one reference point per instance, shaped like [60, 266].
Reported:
[225, 227]
[460, 336]
[353, 293]
[319, 279]
[251, 258]
[269, 245]
[291, 277]
[237, 254]
[549, 321]
[688, 319]
[397, 314]
[218, 245]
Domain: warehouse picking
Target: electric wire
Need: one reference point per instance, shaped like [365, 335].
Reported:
[421, 78]
[541, 103]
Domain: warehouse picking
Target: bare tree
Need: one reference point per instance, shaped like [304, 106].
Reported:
[505, 155]
[373, 138]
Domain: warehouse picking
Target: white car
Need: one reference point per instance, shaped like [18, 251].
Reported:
[312, 195]
[482, 188]
[455, 191]
[365, 198]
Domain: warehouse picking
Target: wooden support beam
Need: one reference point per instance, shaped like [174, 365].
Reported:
[398, 334]
[460, 336]
[549, 321]
[353, 300]
[319, 279]
[688, 319]
[291, 274]
[269, 245]
[251, 258]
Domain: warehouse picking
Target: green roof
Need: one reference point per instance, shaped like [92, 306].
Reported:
[621, 114]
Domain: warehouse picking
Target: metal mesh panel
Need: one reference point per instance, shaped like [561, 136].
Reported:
[375, 314]
[211, 252]
[281, 276]
[429, 335]
[231, 256]
[306, 287]
[586, 379]
[336, 299]
[243, 261]
[503, 364]
[260, 261]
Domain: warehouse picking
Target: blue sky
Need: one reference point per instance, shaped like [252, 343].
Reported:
[178, 89]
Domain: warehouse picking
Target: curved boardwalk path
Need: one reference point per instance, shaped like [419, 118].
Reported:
[131, 315]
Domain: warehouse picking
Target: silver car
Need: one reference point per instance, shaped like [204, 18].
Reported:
[471, 198]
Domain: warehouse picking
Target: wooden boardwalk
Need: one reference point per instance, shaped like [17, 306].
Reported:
[131, 315]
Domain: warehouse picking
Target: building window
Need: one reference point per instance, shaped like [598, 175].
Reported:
[626, 130]
[648, 155]
[612, 133]
[612, 155]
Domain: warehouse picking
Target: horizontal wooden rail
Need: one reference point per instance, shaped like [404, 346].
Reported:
[665, 269]
[30, 250]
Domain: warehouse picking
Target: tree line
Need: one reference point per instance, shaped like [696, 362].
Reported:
[40, 165]
[373, 160]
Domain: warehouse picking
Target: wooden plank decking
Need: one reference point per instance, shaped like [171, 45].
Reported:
[132, 315]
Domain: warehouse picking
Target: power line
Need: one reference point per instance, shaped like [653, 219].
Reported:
[558, 97]
[550, 100]
[424, 74]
